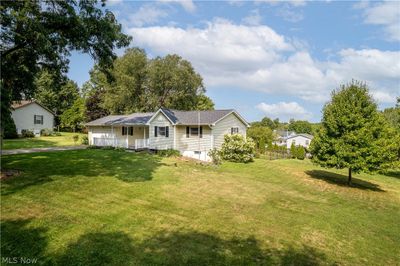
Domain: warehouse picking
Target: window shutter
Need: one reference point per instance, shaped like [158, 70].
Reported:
[155, 131]
[131, 131]
[42, 120]
[187, 132]
[167, 131]
[34, 119]
[231, 130]
[201, 132]
[123, 131]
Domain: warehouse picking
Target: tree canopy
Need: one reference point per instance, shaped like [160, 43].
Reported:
[300, 126]
[353, 133]
[39, 35]
[141, 84]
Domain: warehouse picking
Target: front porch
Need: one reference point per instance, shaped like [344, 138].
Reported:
[129, 137]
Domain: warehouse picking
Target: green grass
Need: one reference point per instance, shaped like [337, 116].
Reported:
[41, 142]
[105, 207]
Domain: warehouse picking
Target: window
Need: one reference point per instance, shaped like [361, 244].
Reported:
[307, 142]
[194, 132]
[162, 131]
[130, 131]
[38, 119]
[124, 131]
[234, 130]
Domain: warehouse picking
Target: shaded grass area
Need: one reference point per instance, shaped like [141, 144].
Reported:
[105, 207]
[42, 142]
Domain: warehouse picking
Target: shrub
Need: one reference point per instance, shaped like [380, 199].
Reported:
[9, 130]
[293, 151]
[46, 132]
[85, 140]
[237, 149]
[27, 134]
[168, 153]
[215, 155]
[75, 138]
[300, 152]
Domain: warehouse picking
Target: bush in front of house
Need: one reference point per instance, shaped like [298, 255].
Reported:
[215, 156]
[27, 133]
[169, 153]
[85, 140]
[46, 132]
[75, 138]
[237, 149]
[9, 131]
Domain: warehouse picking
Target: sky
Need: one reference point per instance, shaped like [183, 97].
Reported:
[269, 58]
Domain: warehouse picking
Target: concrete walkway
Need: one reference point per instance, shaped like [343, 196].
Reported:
[61, 148]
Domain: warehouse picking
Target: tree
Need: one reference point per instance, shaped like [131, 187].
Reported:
[58, 96]
[39, 35]
[353, 133]
[392, 115]
[142, 85]
[300, 126]
[74, 116]
[260, 135]
[204, 103]
[93, 106]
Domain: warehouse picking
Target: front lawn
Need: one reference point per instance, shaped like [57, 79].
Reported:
[105, 207]
[41, 142]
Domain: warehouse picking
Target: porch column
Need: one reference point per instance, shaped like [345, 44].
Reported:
[112, 134]
[127, 145]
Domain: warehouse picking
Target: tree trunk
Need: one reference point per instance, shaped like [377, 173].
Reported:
[349, 180]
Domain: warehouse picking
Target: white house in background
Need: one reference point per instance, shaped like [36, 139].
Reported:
[32, 116]
[193, 133]
[299, 140]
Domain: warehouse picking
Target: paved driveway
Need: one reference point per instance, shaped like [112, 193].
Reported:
[61, 148]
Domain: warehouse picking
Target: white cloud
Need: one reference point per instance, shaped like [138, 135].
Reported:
[147, 14]
[289, 14]
[188, 5]
[258, 58]
[254, 18]
[284, 110]
[114, 2]
[384, 97]
[295, 3]
[386, 14]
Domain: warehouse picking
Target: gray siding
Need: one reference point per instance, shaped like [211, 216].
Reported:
[161, 142]
[193, 143]
[224, 126]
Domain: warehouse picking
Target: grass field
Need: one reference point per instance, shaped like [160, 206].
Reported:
[40, 142]
[105, 207]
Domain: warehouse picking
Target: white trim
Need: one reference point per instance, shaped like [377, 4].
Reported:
[156, 113]
[237, 115]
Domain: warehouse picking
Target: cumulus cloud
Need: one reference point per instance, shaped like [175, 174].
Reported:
[147, 14]
[284, 110]
[188, 5]
[255, 57]
[254, 18]
[386, 14]
[295, 3]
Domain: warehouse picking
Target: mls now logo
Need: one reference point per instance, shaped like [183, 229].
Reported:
[20, 260]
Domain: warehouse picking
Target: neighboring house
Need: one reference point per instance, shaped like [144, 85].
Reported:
[32, 116]
[193, 133]
[282, 135]
[299, 140]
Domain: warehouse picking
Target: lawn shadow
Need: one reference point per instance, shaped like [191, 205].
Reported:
[395, 174]
[40, 168]
[20, 240]
[341, 180]
[192, 248]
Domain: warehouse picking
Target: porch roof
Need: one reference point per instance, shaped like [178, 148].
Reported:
[132, 119]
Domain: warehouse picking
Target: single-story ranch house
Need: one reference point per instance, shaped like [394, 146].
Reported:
[302, 139]
[193, 133]
[31, 116]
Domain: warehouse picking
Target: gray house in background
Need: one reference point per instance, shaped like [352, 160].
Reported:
[193, 133]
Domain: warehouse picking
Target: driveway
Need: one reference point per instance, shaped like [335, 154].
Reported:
[61, 148]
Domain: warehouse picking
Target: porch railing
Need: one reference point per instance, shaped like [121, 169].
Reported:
[114, 142]
[141, 143]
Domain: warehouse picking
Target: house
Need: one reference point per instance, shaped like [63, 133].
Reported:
[299, 140]
[193, 133]
[281, 136]
[32, 116]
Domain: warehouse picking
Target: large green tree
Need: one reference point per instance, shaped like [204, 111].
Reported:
[261, 136]
[300, 126]
[353, 133]
[141, 84]
[74, 116]
[39, 35]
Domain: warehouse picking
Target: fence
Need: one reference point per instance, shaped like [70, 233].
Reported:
[114, 142]
[274, 155]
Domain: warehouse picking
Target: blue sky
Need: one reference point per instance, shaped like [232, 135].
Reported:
[269, 58]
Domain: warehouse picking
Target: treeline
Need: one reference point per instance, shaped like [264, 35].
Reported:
[134, 83]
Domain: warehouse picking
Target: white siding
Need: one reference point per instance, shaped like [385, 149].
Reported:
[224, 126]
[24, 118]
[298, 140]
[161, 142]
[193, 143]
[116, 132]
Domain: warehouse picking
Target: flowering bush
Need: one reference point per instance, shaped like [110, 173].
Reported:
[215, 155]
[237, 149]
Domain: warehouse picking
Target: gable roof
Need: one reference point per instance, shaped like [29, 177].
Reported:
[176, 117]
[132, 119]
[19, 104]
[305, 135]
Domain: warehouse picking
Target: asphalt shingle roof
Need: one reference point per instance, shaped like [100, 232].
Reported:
[176, 116]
